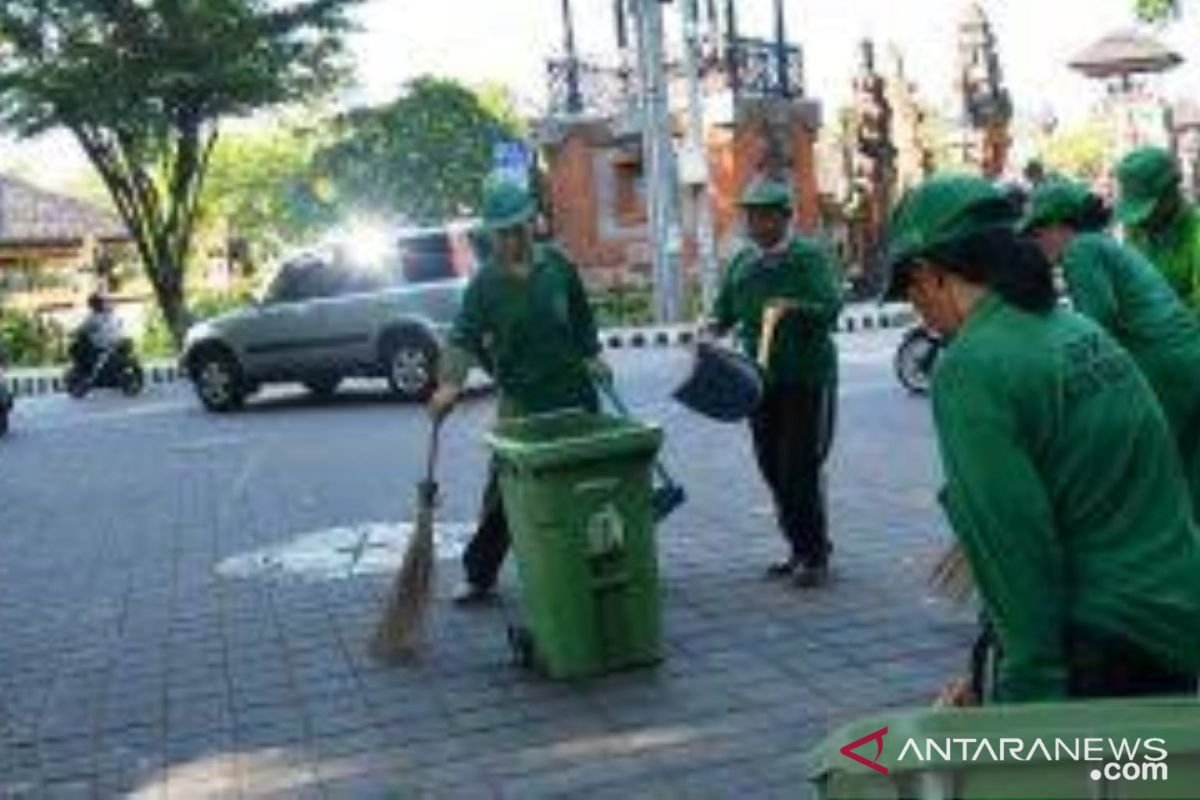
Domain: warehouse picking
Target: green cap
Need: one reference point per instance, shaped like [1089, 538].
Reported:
[944, 208]
[1056, 201]
[766, 193]
[506, 204]
[1144, 177]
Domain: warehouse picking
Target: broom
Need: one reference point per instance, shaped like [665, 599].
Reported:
[400, 632]
[951, 575]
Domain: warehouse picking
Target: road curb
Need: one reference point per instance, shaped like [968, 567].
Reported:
[856, 319]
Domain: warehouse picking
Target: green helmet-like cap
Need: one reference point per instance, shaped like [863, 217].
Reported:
[506, 204]
[943, 209]
[1056, 201]
[1144, 177]
[766, 193]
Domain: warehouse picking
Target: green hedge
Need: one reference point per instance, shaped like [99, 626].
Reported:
[620, 306]
[28, 341]
[156, 341]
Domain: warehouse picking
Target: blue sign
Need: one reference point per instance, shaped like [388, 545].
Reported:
[511, 161]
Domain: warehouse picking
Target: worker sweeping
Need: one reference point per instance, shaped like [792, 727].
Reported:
[526, 320]
[1118, 288]
[780, 294]
[1159, 221]
[1062, 483]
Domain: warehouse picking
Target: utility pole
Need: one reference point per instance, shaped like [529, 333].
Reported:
[660, 176]
[574, 98]
[695, 162]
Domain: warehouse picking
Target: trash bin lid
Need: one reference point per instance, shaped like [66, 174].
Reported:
[564, 438]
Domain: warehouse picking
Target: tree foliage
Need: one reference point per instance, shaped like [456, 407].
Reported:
[260, 190]
[143, 86]
[1080, 152]
[1156, 10]
[421, 157]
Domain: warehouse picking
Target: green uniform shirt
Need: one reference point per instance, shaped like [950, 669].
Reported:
[1118, 288]
[1063, 486]
[1176, 253]
[802, 352]
[534, 334]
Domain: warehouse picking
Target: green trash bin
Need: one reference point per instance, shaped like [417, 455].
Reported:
[576, 490]
[1094, 750]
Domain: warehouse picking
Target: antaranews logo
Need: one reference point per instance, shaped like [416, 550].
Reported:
[1108, 759]
[877, 738]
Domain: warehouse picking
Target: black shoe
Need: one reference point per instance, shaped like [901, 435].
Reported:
[810, 576]
[473, 594]
[782, 569]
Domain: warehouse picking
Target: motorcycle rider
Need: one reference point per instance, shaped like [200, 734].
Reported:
[100, 332]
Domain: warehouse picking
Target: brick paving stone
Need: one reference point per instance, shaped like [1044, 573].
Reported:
[148, 670]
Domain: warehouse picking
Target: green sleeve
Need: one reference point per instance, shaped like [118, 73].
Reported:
[466, 346]
[823, 300]
[1090, 285]
[999, 509]
[1194, 265]
[583, 321]
[722, 310]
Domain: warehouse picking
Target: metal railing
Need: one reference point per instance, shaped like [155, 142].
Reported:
[579, 87]
[762, 68]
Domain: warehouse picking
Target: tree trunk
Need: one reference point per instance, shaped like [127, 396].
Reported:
[167, 279]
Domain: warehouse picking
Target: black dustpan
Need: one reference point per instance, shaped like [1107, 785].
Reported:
[724, 385]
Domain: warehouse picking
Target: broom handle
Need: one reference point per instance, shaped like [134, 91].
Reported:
[432, 456]
[767, 336]
[610, 392]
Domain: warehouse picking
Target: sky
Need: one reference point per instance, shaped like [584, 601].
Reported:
[508, 40]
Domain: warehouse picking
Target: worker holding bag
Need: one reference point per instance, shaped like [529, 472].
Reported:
[780, 296]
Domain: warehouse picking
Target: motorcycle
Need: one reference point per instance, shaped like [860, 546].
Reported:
[6, 398]
[115, 367]
[915, 358]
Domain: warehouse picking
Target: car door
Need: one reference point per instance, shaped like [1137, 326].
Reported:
[278, 340]
[347, 316]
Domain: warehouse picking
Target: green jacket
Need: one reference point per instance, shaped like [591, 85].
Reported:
[803, 351]
[1063, 486]
[1118, 288]
[534, 335]
[1176, 253]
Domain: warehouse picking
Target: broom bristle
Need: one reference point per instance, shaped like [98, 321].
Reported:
[951, 576]
[400, 632]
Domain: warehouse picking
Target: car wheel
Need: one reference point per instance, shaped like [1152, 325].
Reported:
[218, 381]
[410, 362]
[324, 386]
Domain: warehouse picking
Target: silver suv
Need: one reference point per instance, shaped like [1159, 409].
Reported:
[332, 313]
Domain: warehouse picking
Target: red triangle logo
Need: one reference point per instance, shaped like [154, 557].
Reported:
[873, 763]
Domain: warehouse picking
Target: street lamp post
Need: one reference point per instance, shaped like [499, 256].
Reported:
[696, 176]
[660, 178]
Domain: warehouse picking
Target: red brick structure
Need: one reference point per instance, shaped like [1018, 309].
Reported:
[596, 193]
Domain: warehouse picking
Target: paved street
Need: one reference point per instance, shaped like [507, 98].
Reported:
[184, 601]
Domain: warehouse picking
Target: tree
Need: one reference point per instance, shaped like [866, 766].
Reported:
[1156, 10]
[1080, 152]
[421, 156]
[259, 189]
[143, 85]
